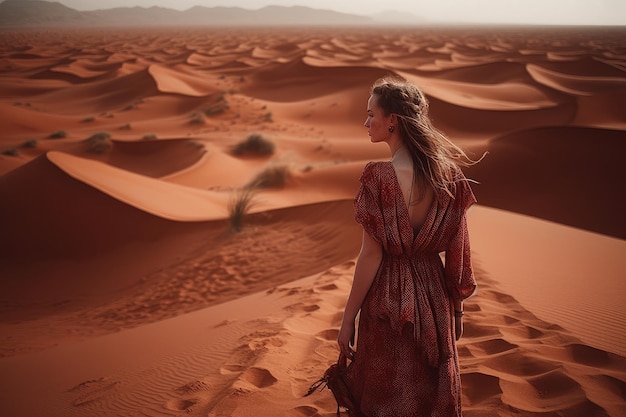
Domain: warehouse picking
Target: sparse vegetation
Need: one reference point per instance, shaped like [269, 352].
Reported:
[255, 144]
[125, 127]
[219, 107]
[11, 152]
[32, 143]
[273, 176]
[88, 119]
[99, 143]
[268, 117]
[197, 118]
[149, 136]
[239, 207]
[59, 134]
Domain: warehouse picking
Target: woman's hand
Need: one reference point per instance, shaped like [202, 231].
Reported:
[458, 326]
[345, 339]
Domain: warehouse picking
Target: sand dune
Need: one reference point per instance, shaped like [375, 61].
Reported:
[588, 84]
[297, 80]
[158, 158]
[104, 95]
[589, 162]
[146, 194]
[173, 81]
[126, 287]
[501, 97]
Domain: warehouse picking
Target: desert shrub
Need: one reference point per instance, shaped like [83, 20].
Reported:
[59, 134]
[149, 136]
[125, 127]
[268, 117]
[88, 119]
[11, 152]
[32, 143]
[99, 143]
[197, 118]
[239, 207]
[219, 107]
[273, 176]
[255, 144]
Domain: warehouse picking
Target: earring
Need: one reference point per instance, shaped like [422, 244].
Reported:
[390, 129]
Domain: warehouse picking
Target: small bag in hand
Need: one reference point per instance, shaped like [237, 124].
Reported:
[337, 381]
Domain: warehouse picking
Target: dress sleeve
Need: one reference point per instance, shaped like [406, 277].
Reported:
[367, 203]
[459, 275]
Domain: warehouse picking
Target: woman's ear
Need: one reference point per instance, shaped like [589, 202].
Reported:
[393, 120]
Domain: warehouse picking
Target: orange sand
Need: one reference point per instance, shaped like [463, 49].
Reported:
[123, 290]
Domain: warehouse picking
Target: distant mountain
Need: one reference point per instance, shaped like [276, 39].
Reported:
[39, 13]
[31, 13]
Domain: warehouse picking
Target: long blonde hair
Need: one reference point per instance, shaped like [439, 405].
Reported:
[436, 159]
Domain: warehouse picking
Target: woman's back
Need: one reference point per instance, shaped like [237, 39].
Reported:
[418, 201]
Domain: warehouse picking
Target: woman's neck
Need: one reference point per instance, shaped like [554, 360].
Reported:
[400, 156]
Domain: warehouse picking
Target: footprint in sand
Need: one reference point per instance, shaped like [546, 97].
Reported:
[302, 308]
[479, 387]
[328, 287]
[520, 364]
[522, 332]
[92, 390]
[474, 329]
[259, 377]
[552, 391]
[328, 351]
[231, 369]
[180, 405]
[192, 387]
[305, 410]
[490, 347]
[328, 334]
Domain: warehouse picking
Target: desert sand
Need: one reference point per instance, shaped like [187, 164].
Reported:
[129, 288]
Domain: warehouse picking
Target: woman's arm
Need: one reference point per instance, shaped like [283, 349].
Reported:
[364, 272]
[458, 319]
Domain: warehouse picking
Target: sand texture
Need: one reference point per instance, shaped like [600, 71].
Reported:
[130, 287]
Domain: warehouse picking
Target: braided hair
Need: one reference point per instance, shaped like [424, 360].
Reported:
[435, 158]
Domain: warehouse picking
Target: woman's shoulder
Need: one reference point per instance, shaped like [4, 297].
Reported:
[376, 173]
[375, 168]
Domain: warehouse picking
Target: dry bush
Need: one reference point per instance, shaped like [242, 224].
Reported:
[11, 152]
[219, 107]
[239, 207]
[197, 118]
[99, 143]
[273, 176]
[32, 143]
[59, 134]
[255, 144]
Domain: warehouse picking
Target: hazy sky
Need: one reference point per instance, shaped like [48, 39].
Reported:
[579, 12]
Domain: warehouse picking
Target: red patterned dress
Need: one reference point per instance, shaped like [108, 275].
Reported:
[406, 362]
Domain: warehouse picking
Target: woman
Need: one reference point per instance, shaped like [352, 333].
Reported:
[412, 208]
